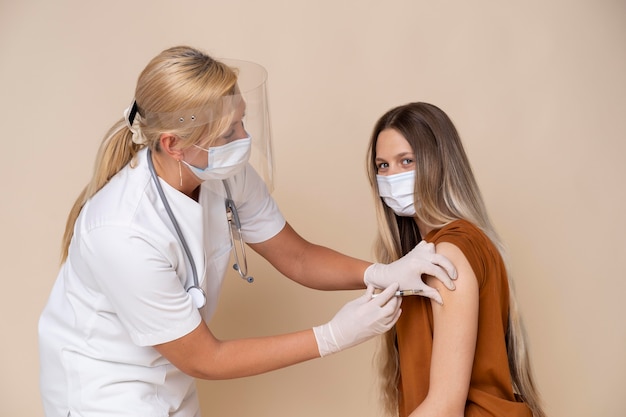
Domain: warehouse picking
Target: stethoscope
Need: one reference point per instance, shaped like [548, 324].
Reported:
[196, 293]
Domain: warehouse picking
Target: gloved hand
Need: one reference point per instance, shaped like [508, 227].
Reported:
[359, 320]
[407, 271]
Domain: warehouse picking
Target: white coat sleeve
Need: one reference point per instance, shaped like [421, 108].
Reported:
[141, 284]
[260, 216]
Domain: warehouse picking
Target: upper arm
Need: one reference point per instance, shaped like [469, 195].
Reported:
[284, 251]
[454, 336]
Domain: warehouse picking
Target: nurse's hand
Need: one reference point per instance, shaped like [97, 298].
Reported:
[408, 270]
[359, 320]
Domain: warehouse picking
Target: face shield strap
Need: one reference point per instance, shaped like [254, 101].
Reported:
[223, 108]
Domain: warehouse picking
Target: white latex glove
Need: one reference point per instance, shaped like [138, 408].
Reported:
[407, 271]
[359, 320]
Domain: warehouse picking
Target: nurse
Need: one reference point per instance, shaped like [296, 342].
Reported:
[149, 240]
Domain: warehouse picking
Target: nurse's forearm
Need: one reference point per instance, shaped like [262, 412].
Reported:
[245, 357]
[312, 265]
[201, 355]
[325, 269]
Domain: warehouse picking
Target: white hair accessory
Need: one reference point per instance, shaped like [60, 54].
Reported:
[131, 117]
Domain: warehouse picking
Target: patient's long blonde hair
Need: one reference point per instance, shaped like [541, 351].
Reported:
[447, 192]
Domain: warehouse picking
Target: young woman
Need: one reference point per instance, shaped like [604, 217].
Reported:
[467, 356]
[148, 242]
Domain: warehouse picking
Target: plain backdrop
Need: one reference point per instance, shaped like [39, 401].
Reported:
[537, 90]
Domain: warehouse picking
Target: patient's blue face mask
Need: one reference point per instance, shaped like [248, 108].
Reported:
[223, 161]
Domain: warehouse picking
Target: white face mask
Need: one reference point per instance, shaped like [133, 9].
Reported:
[397, 191]
[224, 161]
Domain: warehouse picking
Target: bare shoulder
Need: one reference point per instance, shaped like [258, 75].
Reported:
[466, 279]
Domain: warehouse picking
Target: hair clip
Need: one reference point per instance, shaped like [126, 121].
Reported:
[130, 113]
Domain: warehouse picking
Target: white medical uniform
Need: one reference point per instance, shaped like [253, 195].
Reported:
[123, 288]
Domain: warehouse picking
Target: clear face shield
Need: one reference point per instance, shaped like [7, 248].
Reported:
[247, 105]
[252, 82]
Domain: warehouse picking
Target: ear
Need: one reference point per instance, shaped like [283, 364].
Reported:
[169, 145]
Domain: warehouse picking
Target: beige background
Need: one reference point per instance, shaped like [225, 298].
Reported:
[536, 88]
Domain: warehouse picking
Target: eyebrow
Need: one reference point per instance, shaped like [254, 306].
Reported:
[238, 121]
[400, 155]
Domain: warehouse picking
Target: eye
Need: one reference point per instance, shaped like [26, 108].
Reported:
[382, 166]
[234, 132]
[229, 135]
[407, 161]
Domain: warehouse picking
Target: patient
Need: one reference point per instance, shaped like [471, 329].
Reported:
[467, 356]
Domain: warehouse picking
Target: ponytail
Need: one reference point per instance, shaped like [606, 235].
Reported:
[178, 78]
[116, 151]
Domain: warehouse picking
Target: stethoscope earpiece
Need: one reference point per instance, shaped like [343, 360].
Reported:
[243, 276]
[233, 221]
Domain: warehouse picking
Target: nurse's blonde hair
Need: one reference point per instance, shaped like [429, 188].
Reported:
[178, 78]
[446, 190]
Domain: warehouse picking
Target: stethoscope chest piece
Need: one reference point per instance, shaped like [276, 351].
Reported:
[197, 296]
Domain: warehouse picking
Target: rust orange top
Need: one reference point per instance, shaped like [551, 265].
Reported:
[490, 391]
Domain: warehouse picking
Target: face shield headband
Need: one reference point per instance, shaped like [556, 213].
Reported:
[251, 92]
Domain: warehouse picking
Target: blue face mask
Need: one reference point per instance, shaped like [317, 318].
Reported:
[224, 161]
[398, 192]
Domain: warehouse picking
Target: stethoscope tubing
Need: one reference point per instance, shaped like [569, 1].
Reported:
[233, 216]
[195, 291]
[181, 237]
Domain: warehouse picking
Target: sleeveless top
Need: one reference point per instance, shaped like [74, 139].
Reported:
[490, 392]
